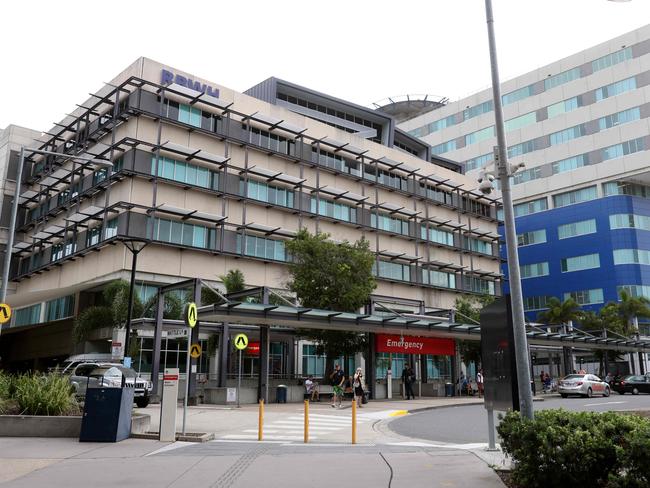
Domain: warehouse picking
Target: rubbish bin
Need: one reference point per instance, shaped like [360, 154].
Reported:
[449, 389]
[107, 414]
[281, 395]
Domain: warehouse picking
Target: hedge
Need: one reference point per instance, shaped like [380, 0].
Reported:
[560, 448]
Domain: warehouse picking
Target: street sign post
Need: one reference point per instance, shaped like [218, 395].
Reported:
[190, 316]
[195, 351]
[241, 342]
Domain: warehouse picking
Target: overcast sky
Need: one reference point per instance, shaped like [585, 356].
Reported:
[55, 52]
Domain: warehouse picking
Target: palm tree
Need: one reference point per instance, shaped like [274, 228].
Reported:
[234, 281]
[564, 313]
[630, 310]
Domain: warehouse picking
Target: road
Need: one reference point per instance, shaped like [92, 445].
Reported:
[468, 424]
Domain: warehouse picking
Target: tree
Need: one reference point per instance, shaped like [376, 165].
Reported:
[331, 276]
[565, 313]
[234, 281]
[631, 309]
[468, 309]
[607, 318]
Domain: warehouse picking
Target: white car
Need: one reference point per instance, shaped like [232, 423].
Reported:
[585, 385]
[109, 375]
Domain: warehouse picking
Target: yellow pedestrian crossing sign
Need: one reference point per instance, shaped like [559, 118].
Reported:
[5, 313]
[190, 314]
[241, 341]
[195, 350]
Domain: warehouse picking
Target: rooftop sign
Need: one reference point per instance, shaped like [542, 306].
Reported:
[167, 78]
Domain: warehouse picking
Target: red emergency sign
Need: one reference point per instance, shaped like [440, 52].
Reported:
[253, 349]
[170, 377]
[414, 345]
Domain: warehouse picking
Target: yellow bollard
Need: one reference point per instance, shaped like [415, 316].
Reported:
[260, 428]
[354, 421]
[306, 421]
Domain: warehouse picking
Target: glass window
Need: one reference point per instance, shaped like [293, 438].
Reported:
[625, 188]
[575, 229]
[623, 149]
[312, 364]
[578, 263]
[561, 78]
[59, 308]
[536, 302]
[531, 207]
[28, 315]
[479, 161]
[476, 110]
[611, 59]
[477, 245]
[517, 95]
[629, 221]
[532, 237]
[334, 210]
[631, 256]
[389, 223]
[444, 147]
[92, 236]
[563, 107]
[527, 175]
[576, 196]
[586, 297]
[521, 121]
[615, 89]
[436, 235]
[392, 270]
[533, 270]
[438, 367]
[269, 193]
[635, 290]
[479, 135]
[521, 148]
[566, 135]
[619, 118]
[570, 164]
[478, 285]
[262, 247]
[438, 278]
[383, 362]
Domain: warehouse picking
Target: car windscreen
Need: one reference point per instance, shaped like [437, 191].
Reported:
[574, 377]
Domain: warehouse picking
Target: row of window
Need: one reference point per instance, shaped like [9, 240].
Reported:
[57, 309]
[587, 261]
[521, 93]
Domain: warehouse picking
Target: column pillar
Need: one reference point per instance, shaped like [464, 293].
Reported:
[157, 343]
[263, 380]
[222, 355]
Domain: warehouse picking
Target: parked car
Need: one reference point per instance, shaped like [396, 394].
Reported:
[68, 366]
[634, 384]
[109, 375]
[584, 385]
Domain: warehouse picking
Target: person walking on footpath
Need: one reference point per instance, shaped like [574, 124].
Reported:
[358, 387]
[479, 382]
[338, 379]
[408, 378]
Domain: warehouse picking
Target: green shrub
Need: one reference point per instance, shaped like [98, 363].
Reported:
[5, 386]
[43, 394]
[560, 448]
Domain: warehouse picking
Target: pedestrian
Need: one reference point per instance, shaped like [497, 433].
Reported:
[547, 383]
[312, 389]
[479, 382]
[338, 379]
[358, 387]
[408, 378]
[609, 378]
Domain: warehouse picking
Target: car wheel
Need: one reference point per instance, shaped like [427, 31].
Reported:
[142, 402]
[563, 395]
[635, 391]
[589, 393]
[607, 392]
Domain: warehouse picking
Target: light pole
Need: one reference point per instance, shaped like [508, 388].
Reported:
[504, 172]
[14, 208]
[135, 246]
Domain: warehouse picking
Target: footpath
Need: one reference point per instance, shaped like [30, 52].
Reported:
[236, 459]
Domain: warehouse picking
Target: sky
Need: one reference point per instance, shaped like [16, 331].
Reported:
[55, 52]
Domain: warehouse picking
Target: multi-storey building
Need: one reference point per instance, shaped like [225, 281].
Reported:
[218, 180]
[581, 125]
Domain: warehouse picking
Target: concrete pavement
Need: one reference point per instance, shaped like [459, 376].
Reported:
[381, 457]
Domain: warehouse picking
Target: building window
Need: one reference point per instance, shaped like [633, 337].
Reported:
[383, 363]
[476, 110]
[93, 235]
[189, 115]
[521, 148]
[527, 175]
[563, 107]
[436, 194]
[619, 118]
[629, 221]
[438, 278]
[392, 271]
[579, 263]
[479, 135]
[521, 121]
[184, 172]
[436, 235]
[28, 315]
[262, 247]
[532, 237]
[623, 149]
[515, 96]
[533, 270]
[631, 256]
[566, 135]
[561, 78]
[372, 173]
[531, 207]
[267, 193]
[479, 161]
[478, 285]
[111, 228]
[59, 308]
[444, 147]
[611, 59]
[390, 224]
[335, 210]
[586, 297]
[576, 196]
[312, 364]
[536, 302]
[339, 163]
[271, 141]
[635, 290]
[570, 164]
[477, 245]
[575, 229]
[182, 233]
[624, 188]
[615, 89]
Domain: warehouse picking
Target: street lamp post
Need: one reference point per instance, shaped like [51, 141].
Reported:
[14, 208]
[135, 246]
[504, 173]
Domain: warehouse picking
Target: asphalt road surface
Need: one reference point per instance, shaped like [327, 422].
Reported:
[468, 424]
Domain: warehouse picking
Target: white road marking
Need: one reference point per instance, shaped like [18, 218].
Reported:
[270, 438]
[603, 403]
[170, 447]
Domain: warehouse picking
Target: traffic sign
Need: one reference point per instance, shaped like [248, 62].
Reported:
[5, 313]
[241, 341]
[190, 314]
[195, 350]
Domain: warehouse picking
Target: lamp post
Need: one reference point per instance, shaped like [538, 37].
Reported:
[504, 172]
[14, 208]
[134, 245]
